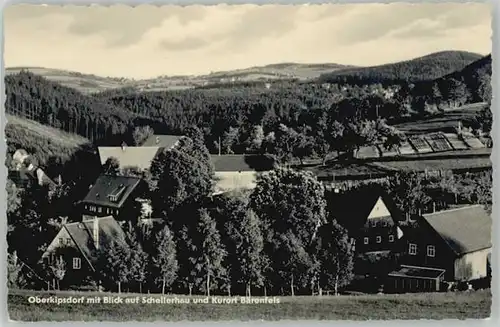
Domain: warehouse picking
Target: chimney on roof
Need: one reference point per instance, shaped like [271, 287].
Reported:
[124, 145]
[95, 232]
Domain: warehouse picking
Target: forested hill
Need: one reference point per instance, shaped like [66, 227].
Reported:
[428, 67]
[229, 117]
[470, 84]
[36, 98]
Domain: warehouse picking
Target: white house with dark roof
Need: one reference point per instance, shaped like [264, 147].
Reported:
[79, 244]
[118, 196]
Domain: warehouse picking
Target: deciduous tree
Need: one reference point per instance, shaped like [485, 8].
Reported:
[165, 260]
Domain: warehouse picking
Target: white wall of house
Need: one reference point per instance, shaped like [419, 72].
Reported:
[233, 180]
[472, 265]
[379, 210]
[56, 243]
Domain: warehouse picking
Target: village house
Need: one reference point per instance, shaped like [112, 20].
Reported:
[25, 168]
[369, 216]
[119, 196]
[79, 244]
[451, 246]
[238, 172]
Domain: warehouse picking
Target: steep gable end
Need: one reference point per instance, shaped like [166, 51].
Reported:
[379, 210]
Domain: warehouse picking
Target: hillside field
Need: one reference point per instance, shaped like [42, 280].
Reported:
[456, 305]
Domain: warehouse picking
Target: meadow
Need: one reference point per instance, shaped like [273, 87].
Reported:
[453, 305]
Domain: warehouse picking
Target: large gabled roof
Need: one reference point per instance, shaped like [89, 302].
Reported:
[134, 156]
[351, 208]
[241, 162]
[163, 141]
[464, 230]
[107, 186]
[83, 236]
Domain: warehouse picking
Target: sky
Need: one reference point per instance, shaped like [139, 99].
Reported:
[147, 41]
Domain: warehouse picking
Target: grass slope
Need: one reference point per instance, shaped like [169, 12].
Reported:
[459, 305]
[41, 141]
[445, 121]
[428, 67]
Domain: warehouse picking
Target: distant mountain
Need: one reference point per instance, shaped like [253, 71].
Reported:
[87, 83]
[468, 85]
[472, 71]
[424, 68]
[84, 83]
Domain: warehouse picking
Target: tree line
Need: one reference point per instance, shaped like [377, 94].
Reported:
[230, 116]
[279, 238]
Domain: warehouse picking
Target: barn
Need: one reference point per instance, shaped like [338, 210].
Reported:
[456, 242]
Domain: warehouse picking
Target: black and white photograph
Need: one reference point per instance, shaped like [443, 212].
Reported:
[244, 162]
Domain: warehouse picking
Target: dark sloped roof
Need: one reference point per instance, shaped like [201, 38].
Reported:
[237, 162]
[464, 230]
[417, 272]
[83, 236]
[164, 141]
[352, 208]
[107, 185]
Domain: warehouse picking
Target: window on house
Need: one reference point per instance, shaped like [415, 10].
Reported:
[379, 239]
[431, 251]
[412, 249]
[68, 241]
[77, 263]
[391, 238]
[99, 209]
[366, 240]
[61, 241]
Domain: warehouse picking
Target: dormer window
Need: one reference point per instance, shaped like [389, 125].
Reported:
[116, 193]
